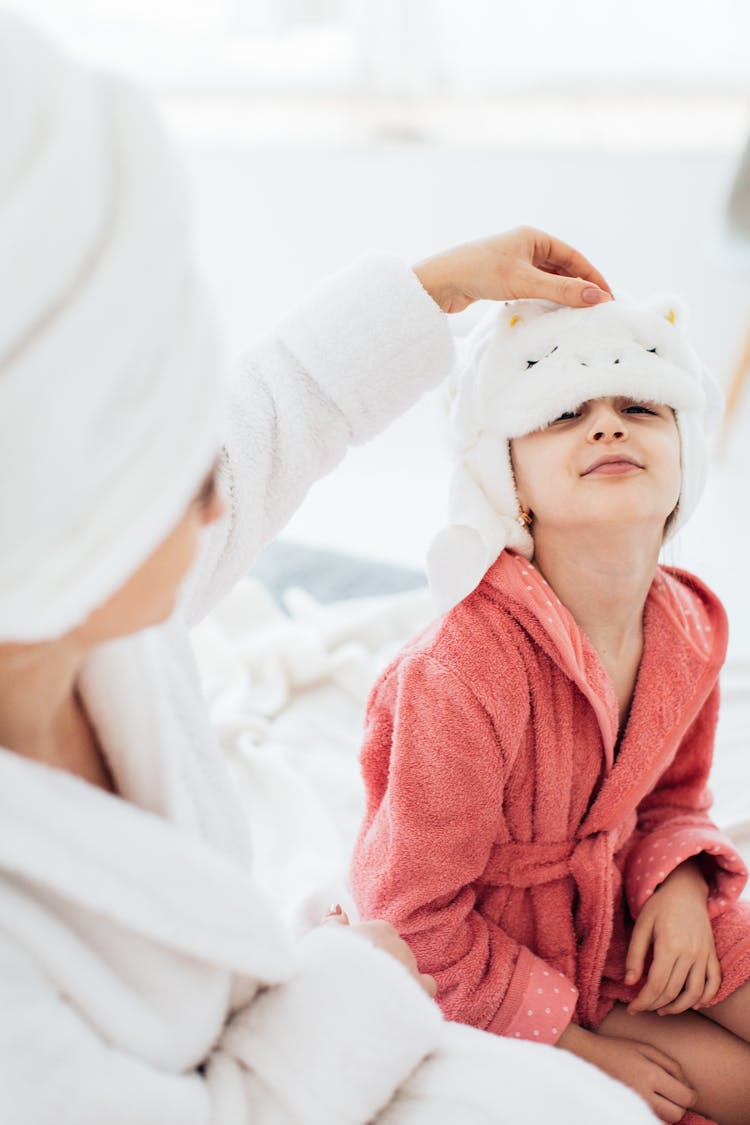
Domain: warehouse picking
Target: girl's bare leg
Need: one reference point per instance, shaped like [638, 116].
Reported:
[715, 1061]
[734, 1012]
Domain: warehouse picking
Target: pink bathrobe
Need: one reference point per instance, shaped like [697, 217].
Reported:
[504, 838]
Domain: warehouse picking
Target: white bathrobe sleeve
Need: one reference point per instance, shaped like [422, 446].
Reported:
[317, 1049]
[337, 1040]
[54, 1068]
[361, 349]
[333, 1043]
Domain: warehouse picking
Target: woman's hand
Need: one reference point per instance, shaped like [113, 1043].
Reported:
[685, 971]
[655, 1076]
[520, 263]
[385, 937]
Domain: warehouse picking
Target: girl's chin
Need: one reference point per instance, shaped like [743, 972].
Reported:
[609, 519]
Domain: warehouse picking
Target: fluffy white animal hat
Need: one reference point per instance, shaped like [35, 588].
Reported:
[525, 365]
[110, 384]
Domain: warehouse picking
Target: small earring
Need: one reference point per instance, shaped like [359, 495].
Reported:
[525, 519]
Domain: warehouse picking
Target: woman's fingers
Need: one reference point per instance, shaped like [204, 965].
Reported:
[555, 256]
[533, 281]
[336, 913]
[521, 263]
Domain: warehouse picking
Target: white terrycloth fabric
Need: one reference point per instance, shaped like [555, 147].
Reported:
[524, 366]
[144, 980]
[109, 368]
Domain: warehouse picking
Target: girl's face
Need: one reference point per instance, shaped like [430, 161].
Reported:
[612, 461]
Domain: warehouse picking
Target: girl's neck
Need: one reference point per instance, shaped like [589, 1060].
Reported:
[603, 578]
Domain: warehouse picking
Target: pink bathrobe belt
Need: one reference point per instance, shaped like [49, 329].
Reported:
[539, 862]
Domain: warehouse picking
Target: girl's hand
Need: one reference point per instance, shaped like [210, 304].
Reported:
[520, 263]
[685, 971]
[655, 1076]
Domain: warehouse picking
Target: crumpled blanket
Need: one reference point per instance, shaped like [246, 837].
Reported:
[286, 693]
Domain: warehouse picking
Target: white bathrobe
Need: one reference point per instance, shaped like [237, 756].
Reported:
[143, 979]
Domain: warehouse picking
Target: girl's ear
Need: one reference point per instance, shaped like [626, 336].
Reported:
[671, 307]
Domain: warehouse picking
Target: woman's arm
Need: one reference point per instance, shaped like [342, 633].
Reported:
[338, 369]
[332, 1043]
[350, 1038]
[334, 372]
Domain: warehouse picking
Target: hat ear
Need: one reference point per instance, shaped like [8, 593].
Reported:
[671, 307]
[515, 313]
[498, 318]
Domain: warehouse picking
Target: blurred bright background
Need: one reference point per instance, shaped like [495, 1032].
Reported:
[314, 130]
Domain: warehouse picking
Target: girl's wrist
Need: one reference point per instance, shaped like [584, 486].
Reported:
[575, 1039]
[690, 872]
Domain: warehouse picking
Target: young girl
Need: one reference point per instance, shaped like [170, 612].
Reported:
[536, 762]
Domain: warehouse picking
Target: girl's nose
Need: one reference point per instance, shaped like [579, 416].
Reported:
[606, 425]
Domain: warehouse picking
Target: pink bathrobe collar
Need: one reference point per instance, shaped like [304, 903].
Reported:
[702, 630]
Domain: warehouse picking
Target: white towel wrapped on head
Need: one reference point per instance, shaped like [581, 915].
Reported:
[110, 393]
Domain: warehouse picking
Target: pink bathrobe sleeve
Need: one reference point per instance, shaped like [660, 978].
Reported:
[673, 824]
[435, 767]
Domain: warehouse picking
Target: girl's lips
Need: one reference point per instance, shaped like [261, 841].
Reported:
[613, 468]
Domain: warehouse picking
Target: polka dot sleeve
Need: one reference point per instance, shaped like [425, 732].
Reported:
[660, 852]
[546, 1007]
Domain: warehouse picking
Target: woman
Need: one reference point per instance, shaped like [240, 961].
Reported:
[142, 977]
